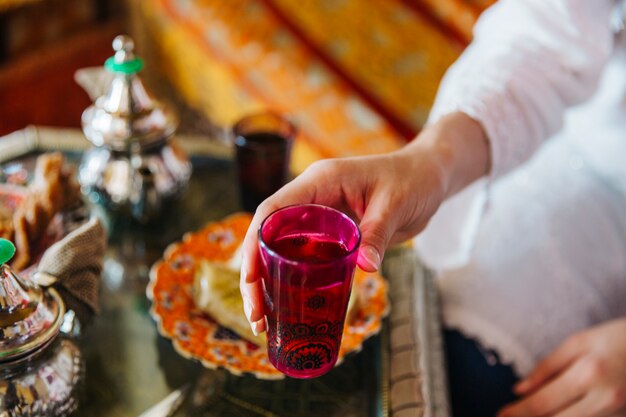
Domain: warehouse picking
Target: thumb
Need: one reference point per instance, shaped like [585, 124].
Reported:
[376, 232]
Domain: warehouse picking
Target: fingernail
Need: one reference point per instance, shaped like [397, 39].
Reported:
[247, 309]
[369, 258]
[243, 274]
[254, 327]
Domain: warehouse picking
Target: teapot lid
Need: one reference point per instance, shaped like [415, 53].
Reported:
[29, 317]
[127, 115]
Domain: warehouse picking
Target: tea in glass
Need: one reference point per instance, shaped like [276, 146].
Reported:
[262, 154]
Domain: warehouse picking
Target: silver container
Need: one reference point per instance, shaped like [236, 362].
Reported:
[45, 384]
[134, 165]
[39, 370]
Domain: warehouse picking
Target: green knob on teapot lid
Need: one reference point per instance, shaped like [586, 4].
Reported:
[124, 61]
[7, 250]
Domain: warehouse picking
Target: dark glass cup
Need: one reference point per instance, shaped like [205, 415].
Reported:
[262, 154]
[308, 255]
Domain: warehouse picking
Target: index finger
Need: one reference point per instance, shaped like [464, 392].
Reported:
[551, 365]
[250, 245]
[249, 281]
[249, 284]
[298, 191]
[553, 395]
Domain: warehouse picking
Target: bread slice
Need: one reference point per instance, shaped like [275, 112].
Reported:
[216, 292]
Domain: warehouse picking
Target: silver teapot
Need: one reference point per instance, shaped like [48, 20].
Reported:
[134, 165]
[40, 369]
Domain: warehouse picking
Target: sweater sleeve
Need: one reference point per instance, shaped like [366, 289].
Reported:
[529, 61]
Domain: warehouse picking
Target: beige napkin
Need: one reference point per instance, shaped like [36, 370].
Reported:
[73, 266]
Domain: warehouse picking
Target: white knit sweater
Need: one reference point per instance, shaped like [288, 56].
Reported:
[537, 251]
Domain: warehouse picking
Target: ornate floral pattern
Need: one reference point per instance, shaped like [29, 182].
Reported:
[196, 335]
[306, 347]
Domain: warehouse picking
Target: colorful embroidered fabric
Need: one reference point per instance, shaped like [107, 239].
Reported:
[357, 77]
[196, 335]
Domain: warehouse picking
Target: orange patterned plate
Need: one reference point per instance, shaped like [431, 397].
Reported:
[196, 335]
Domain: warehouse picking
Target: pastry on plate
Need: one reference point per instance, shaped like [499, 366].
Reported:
[216, 292]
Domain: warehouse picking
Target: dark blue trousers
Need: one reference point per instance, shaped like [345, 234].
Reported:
[478, 387]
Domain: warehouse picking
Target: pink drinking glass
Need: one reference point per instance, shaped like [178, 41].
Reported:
[308, 255]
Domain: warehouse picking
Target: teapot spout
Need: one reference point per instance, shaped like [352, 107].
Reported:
[94, 80]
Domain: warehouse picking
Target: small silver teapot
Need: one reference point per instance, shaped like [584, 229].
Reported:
[40, 370]
[134, 165]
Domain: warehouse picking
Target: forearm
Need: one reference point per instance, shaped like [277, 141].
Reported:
[458, 148]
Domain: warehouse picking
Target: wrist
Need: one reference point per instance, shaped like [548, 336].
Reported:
[458, 148]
